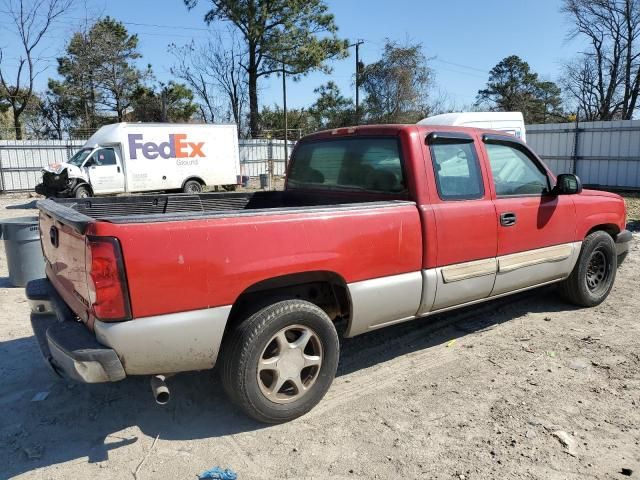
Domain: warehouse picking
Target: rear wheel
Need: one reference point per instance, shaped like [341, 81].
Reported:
[592, 278]
[192, 186]
[278, 363]
[82, 192]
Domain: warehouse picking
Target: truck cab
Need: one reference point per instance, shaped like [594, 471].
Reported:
[92, 170]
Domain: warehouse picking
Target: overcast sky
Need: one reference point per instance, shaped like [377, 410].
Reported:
[463, 38]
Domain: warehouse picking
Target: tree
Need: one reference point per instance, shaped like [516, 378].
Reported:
[397, 86]
[172, 103]
[99, 71]
[211, 68]
[299, 33]
[32, 21]
[512, 86]
[331, 109]
[271, 121]
[604, 82]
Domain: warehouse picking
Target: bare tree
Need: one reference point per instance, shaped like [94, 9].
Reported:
[32, 20]
[215, 68]
[605, 81]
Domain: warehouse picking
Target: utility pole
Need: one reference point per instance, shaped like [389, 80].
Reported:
[357, 45]
[284, 108]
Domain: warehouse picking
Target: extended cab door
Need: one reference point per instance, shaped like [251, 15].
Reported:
[465, 223]
[105, 171]
[536, 228]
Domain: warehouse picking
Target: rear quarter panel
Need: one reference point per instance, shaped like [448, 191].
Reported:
[187, 265]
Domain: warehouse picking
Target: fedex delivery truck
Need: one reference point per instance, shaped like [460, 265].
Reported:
[145, 157]
[508, 122]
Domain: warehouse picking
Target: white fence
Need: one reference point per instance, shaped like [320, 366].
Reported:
[602, 154]
[21, 161]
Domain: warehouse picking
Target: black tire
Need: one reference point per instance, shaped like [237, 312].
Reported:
[192, 186]
[247, 345]
[82, 192]
[595, 272]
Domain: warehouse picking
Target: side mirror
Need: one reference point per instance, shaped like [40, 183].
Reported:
[567, 184]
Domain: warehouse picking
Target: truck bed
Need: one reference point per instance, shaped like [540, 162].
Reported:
[78, 213]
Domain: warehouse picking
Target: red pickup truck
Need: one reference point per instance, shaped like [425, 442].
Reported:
[377, 225]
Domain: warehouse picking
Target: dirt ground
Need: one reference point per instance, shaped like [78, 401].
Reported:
[478, 394]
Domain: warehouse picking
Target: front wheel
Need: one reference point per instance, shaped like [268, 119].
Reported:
[278, 364]
[592, 278]
[82, 192]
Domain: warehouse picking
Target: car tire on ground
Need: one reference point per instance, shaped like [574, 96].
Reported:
[82, 192]
[594, 273]
[192, 186]
[277, 364]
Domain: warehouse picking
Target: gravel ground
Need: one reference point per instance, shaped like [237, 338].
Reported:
[525, 387]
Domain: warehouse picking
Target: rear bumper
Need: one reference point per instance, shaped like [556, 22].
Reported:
[66, 344]
[623, 241]
[163, 344]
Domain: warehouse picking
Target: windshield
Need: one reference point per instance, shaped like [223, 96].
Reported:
[80, 157]
[366, 163]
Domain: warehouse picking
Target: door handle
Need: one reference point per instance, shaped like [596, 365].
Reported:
[507, 219]
[118, 169]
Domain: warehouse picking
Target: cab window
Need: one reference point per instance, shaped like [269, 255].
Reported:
[371, 164]
[514, 172]
[457, 169]
[102, 157]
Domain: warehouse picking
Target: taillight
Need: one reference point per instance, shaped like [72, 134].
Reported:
[108, 291]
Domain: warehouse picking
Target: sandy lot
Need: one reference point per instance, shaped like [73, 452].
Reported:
[477, 394]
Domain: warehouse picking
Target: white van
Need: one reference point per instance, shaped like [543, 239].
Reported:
[508, 122]
[144, 157]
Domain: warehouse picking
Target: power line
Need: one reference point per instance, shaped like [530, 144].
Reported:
[137, 24]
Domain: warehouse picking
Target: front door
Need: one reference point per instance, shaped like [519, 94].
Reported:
[536, 229]
[105, 171]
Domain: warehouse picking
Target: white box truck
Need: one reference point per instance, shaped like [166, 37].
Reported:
[146, 157]
[508, 122]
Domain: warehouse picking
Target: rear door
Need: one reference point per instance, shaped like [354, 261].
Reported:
[105, 171]
[465, 222]
[536, 228]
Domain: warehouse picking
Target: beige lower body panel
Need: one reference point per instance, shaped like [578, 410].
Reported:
[172, 343]
[521, 270]
[389, 300]
[381, 300]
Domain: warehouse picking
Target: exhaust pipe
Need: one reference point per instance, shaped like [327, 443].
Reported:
[160, 390]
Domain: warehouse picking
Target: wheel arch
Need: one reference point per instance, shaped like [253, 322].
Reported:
[325, 289]
[82, 183]
[198, 179]
[611, 228]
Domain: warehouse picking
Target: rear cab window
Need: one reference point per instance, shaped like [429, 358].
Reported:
[455, 166]
[371, 164]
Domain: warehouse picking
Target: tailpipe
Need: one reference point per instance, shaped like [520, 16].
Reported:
[160, 390]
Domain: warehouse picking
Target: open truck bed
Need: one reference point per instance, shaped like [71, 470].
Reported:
[78, 213]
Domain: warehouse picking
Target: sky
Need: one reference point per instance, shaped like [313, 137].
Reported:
[463, 39]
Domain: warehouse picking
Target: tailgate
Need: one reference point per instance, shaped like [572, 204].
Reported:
[65, 251]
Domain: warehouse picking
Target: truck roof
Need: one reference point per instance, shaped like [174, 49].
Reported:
[394, 129]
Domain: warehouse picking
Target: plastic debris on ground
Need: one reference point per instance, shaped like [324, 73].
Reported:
[216, 473]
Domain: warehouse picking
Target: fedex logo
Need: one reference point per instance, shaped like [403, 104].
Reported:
[176, 147]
